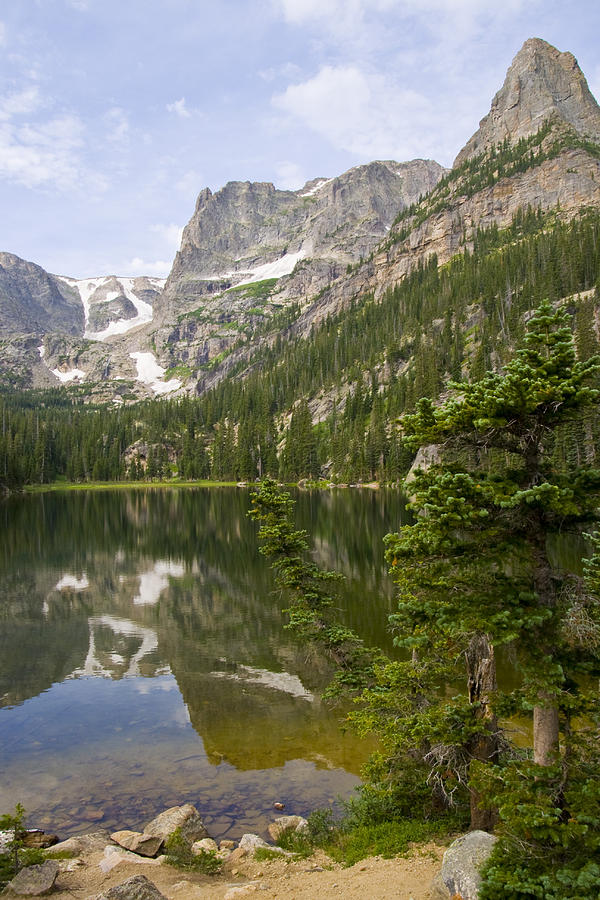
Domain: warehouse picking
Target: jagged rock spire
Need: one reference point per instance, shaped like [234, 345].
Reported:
[541, 83]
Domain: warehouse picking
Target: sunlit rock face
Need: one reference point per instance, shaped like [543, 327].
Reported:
[541, 83]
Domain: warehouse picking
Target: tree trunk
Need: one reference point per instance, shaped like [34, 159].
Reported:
[545, 733]
[481, 684]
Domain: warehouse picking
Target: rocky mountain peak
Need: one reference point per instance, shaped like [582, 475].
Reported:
[541, 83]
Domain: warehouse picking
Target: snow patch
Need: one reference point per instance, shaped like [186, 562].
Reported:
[87, 287]
[42, 351]
[150, 372]
[93, 666]
[71, 375]
[317, 187]
[72, 582]
[279, 681]
[153, 583]
[277, 269]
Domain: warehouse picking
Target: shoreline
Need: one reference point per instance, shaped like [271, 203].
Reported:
[69, 486]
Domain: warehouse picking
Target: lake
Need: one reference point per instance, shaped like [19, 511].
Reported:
[144, 661]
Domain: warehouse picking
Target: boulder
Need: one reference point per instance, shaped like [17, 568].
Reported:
[287, 823]
[34, 881]
[142, 844]
[186, 818]
[138, 887]
[114, 855]
[83, 843]
[462, 861]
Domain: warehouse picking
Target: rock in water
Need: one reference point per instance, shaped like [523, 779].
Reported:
[462, 862]
[186, 818]
[138, 887]
[34, 881]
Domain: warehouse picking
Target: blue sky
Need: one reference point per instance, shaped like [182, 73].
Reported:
[115, 113]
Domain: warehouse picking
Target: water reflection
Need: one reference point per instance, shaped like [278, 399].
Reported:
[162, 597]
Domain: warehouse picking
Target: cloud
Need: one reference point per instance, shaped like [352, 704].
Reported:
[47, 154]
[179, 108]
[117, 126]
[362, 113]
[290, 176]
[190, 183]
[280, 73]
[300, 11]
[20, 104]
[171, 234]
[137, 266]
[2, 34]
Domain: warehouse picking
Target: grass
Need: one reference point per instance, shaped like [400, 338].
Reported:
[256, 289]
[121, 485]
[385, 839]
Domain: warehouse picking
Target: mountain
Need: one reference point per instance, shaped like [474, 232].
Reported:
[258, 266]
[541, 84]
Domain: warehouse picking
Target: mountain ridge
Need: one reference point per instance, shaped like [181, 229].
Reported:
[254, 259]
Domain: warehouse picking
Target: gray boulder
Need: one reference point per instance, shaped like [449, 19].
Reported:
[186, 818]
[34, 881]
[462, 863]
[138, 887]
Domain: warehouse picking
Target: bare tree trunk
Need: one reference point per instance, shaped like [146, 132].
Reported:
[481, 684]
[545, 733]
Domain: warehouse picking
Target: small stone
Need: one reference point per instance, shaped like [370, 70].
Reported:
[252, 842]
[236, 855]
[287, 823]
[34, 881]
[206, 845]
[138, 887]
[226, 845]
[279, 805]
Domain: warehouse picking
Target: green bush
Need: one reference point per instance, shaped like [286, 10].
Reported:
[179, 854]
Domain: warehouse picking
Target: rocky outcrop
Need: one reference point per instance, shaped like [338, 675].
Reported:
[33, 303]
[541, 83]
[255, 231]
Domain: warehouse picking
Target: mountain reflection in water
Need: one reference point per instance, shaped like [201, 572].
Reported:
[144, 663]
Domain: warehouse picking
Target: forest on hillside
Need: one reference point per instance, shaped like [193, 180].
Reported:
[356, 373]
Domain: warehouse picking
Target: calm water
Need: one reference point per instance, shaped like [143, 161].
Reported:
[143, 660]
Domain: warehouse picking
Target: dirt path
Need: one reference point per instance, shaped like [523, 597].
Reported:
[308, 879]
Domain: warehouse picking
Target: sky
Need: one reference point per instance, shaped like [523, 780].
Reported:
[114, 114]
